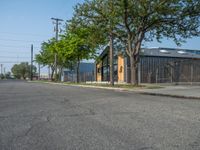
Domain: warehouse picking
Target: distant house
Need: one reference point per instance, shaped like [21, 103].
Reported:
[86, 73]
[157, 65]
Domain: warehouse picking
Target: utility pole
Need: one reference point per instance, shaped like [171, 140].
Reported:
[111, 61]
[49, 74]
[57, 22]
[111, 51]
[31, 62]
[38, 71]
[1, 68]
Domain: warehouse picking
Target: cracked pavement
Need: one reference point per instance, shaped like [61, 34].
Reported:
[36, 116]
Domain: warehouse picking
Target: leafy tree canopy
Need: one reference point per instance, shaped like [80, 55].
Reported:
[22, 70]
[136, 21]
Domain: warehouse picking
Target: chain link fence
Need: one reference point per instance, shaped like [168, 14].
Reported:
[83, 77]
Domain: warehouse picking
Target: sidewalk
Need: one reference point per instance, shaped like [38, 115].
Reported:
[178, 91]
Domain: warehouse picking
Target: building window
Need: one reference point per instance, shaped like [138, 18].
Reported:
[98, 70]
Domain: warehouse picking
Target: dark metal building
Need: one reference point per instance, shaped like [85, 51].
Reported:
[86, 71]
[157, 65]
[161, 65]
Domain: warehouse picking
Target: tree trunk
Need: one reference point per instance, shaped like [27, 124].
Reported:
[133, 69]
[55, 64]
[52, 73]
[111, 61]
[77, 72]
[60, 73]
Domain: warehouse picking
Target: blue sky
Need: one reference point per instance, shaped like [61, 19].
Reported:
[26, 22]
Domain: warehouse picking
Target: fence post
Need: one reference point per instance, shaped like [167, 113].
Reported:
[191, 73]
[156, 75]
[139, 73]
[171, 74]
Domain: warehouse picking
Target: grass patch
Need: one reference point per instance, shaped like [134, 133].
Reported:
[127, 86]
[118, 85]
[154, 87]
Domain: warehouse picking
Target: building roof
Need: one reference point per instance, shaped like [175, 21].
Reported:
[164, 52]
[170, 52]
[83, 68]
[104, 52]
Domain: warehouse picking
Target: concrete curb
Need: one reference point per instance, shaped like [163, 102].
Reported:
[124, 89]
[169, 95]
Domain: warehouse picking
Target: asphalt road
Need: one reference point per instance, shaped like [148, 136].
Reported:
[35, 116]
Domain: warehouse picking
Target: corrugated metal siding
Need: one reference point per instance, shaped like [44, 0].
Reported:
[169, 69]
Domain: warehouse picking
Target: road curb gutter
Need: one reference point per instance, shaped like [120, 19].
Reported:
[168, 95]
[124, 89]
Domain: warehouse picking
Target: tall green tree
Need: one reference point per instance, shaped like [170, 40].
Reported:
[77, 47]
[2, 76]
[64, 55]
[22, 70]
[145, 20]
[46, 55]
[136, 21]
[100, 15]
[72, 47]
[8, 75]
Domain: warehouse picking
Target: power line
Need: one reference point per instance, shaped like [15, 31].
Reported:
[14, 52]
[17, 46]
[19, 52]
[14, 40]
[27, 34]
[12, 62]
[12, 57]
